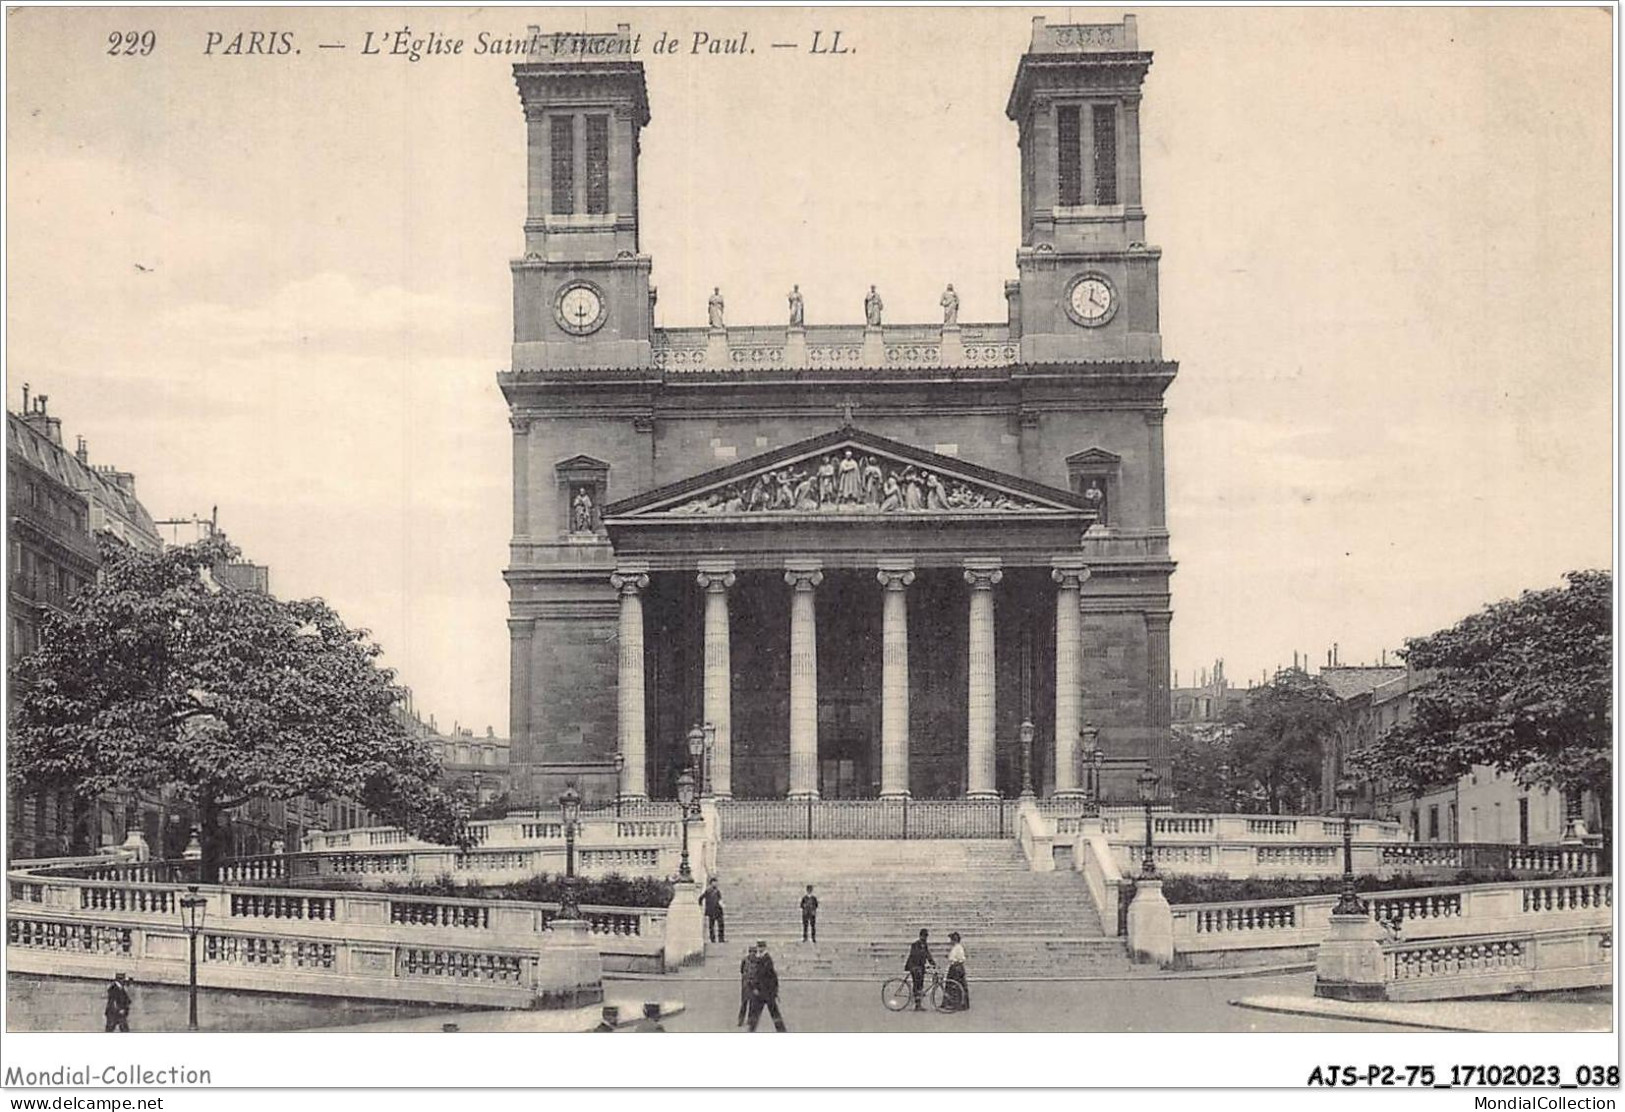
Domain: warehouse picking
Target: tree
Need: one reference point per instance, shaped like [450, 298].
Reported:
[1281, 733]
[158, 677]
[1524, 686]
[1203, 767]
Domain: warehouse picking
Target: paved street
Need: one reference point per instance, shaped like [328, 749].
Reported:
[1129, 1005]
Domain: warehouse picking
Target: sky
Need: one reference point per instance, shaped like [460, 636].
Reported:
[279, 284]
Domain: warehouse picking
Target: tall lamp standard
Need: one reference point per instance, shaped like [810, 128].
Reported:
[193, 909]
[1348, 903]
[1027, 732]
[1148, 782]
[620, 766]
[696, 753]
[685, 800]
[570, 811]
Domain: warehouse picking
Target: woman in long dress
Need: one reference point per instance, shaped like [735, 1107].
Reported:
[956, 976]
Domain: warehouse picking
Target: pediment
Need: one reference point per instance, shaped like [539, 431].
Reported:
[849, 473]
[1094, 457]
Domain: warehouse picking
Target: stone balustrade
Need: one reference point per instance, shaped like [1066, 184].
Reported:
[359, 944]
[1128, 823]
[766, 347]
[1205, 933]
[1494, 965]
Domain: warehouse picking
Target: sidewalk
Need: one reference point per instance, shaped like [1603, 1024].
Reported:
[1502, 1016]
[561, 1021]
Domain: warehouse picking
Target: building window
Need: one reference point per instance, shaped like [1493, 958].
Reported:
[562, 147]
[1068, 160]
[597, 165]
[1105, 118]
[1433, 824]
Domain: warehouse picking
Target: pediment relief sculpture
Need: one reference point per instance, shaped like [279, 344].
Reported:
[847, 482]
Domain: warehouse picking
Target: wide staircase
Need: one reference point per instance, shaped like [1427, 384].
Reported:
[875, 896]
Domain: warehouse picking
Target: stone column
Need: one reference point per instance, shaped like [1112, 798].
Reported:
[894, 682]
[803, 681]
[983, 671]
[1069, 575]
[629, 680]
[1159, 489]
[521, 475]
[1157, 663]
[715, 579]
[521, 636]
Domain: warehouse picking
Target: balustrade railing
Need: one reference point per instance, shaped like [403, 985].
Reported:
[1411, 961]
[867, 818]
[1397, 909]
[266, 905]
[417, 913]
[1568, 897]
[134, 901]
[463, 965]
[45, 934]
[1210, 920]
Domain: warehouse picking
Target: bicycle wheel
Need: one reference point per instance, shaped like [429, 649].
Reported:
[936, 993]
[897, 993]
[953, 997]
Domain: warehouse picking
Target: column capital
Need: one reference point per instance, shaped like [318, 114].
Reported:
[895, 579]
[715, 580]
[1154, 416]
[983, 574]
[522, 627]
[803, 579]
[629, 582]
[1068, 573]
[1159, 619]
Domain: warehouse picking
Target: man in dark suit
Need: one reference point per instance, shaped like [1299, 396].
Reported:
[765, 989]
[919, 960]
[747, 977]
[117, 1012]
[809, 915]
[711, 900]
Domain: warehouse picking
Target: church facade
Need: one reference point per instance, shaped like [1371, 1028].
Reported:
[865, 555]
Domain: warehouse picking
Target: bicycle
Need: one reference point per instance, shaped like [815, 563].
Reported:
[945, 995]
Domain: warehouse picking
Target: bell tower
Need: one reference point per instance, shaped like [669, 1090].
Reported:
[581, 294]
[1088, 281]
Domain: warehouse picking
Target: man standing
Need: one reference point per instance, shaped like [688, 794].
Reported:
[747, 978]
[764, 991]
[118, 1004]
[711, 900]
[919, 960]
[809, 915]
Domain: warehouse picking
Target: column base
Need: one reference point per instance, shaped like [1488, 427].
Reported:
[1069, 793]
[632, 797]
[897, 795]
[802, 796]
[982, 795]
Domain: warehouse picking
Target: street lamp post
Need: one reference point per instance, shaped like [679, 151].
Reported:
[193, 910]
[570, 810]
[696, 754]
[1148, 782]
[685, 800]
[1027, 759]
[1348, 903]
[710, 781]
[620, 765]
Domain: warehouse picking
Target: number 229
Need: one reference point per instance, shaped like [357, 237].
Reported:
[128, 43]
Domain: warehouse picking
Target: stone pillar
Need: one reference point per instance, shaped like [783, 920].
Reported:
[521, 475]
[1069, 574]
[795, 347]
[803, 681]
[629, 681]
[521, 667]
[1150, 923]
[1157, 663]
[894, 682]
[983, 671]
[1159, 489]
[715, 579]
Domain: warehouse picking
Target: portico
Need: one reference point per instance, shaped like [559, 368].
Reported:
[805, 603]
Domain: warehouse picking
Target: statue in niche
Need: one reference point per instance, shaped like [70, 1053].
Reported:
[714, 307]
[798, 313]
[1094, 495]
[849, 479]
[872, 306]
[581, 511]
[950, 307]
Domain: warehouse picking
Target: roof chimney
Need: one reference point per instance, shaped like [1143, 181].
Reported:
[25, 397]
[82, 452]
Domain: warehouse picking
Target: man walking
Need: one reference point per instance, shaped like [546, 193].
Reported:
[918, 961]
[747, 978]
[765, 989]
[809, 915]
[118, 1004]
[711, 900]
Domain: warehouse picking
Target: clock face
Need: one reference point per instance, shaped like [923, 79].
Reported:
[1091, 300]
[579, 309]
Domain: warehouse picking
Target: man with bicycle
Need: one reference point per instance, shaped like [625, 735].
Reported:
[919, 960]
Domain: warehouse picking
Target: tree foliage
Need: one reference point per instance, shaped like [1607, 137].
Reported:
[1202, 768]
[1524, 686]
[160, 678]
[1281, 734]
